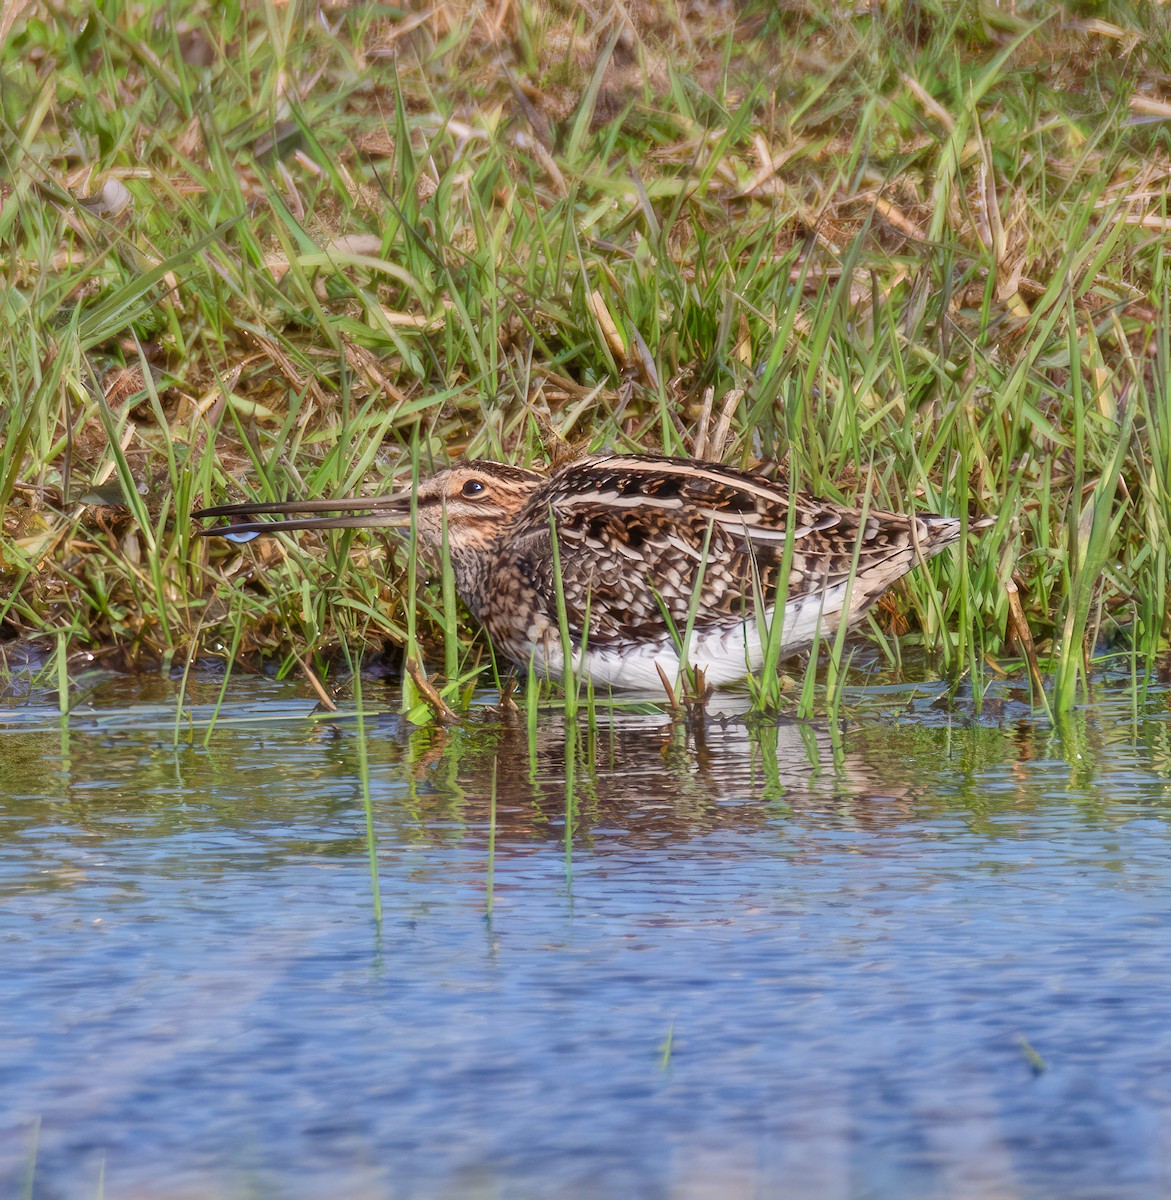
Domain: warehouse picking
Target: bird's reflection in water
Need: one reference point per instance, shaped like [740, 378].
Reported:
[624, 781]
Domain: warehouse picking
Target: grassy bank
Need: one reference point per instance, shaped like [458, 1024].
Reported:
[268, 250]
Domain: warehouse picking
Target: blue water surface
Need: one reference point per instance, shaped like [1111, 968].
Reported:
[917, 953]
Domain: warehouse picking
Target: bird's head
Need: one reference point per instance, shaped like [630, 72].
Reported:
[476, 500]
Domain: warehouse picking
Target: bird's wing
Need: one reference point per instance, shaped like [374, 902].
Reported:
[637, 537]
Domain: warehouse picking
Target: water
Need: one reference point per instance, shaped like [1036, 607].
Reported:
[924, 955]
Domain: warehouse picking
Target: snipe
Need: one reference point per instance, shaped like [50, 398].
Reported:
[638, 536]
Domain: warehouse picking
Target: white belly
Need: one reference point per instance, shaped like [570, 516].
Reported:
[725, 654]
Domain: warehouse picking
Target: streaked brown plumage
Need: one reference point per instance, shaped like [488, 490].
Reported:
[638, 537]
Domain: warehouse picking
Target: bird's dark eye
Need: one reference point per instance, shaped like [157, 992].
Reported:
[473, 488]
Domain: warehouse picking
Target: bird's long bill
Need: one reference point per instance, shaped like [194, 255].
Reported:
[353, 512]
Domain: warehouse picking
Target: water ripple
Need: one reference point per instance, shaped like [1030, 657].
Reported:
[895, 957]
